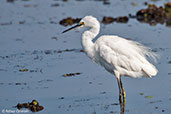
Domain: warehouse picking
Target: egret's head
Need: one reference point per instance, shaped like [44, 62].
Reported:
[87, 21]
[90, 21]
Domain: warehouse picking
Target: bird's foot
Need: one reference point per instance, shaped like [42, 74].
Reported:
[124, 95]
[121, 99]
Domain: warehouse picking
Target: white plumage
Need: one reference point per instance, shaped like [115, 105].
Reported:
[117, 55]
[125, 56]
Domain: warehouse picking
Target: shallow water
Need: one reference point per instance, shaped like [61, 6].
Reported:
[30, 38]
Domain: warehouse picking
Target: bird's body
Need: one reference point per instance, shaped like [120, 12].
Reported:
[117, 55]
[122, 55]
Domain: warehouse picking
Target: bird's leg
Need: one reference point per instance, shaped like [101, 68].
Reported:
[123, 92]
[122, 98]
[120, 89]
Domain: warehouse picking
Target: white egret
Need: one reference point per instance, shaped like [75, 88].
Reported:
[117, 55]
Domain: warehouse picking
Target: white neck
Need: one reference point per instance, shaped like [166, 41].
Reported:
[87, 42]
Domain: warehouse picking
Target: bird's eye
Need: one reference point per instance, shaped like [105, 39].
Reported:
[81, 23]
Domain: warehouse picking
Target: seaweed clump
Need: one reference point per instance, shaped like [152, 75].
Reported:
[108, 20]
[168, 14]
[71, 74]
[33, 106]
[69, 21]
[154, 14]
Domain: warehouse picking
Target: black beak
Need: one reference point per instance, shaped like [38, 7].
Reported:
[78, 25]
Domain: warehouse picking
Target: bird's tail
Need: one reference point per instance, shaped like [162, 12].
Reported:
[150, 70]
[145, 51]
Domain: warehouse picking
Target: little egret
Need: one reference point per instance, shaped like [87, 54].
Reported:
[117, 55]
